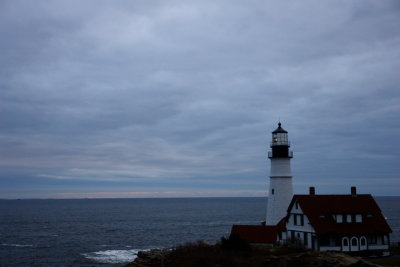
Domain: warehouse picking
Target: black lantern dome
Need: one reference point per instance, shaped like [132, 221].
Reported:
[279, 129]
[280, 144]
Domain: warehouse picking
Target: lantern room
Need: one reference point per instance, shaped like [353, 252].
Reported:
[280, 144]
[279, 137]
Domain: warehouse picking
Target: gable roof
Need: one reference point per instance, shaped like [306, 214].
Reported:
[314, 206]
[256, 233]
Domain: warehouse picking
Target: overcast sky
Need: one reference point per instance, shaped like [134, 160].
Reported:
[179, 98]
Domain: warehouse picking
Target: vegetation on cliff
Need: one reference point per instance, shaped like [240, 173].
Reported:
[236, 252]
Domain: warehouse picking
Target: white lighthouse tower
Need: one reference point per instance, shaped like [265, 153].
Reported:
[280, 182]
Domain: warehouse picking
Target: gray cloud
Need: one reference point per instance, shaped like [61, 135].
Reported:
[176, 92]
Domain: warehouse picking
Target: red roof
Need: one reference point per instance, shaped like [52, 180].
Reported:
[281, 226]
[256, 233]
[320, 210]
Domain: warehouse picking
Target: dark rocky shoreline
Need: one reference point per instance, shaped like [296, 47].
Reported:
[204, 255]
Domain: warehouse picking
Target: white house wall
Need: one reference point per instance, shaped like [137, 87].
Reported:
[290, 224]
[330, 248]
[299, 230]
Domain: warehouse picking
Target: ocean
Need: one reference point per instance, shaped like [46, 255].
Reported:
[110, 232]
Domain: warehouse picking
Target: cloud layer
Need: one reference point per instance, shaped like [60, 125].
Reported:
[178, 96]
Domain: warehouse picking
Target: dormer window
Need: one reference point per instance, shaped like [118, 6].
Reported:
[348, 218]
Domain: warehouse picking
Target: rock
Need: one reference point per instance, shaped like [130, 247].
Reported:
[200, 254]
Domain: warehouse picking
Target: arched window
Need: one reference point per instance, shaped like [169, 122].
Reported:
[345, 244]
[354, 244]
[363, 241]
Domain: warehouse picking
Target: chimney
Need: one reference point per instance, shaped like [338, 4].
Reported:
[312, 191]
[353, 191]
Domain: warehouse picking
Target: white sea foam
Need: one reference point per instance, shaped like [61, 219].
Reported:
[16, 245]
[113, 256]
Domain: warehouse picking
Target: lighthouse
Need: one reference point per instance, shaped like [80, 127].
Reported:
[280, 179]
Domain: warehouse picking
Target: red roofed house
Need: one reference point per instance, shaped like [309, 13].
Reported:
[351, 222]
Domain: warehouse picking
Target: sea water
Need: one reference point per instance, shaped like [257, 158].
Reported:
[110, 232]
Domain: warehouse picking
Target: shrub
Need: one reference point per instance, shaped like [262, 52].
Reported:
[235, 243]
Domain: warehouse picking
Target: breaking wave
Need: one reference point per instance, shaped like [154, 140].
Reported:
[113, 256]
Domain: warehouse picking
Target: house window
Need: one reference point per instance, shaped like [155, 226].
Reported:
[372, 239]
[297, 205]
[348, 218]
[339, 218]
[305, 238]
[345, 241]
[363, 241]
[338, 241]
[354, 241]
[358, 218]
[298, 219]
